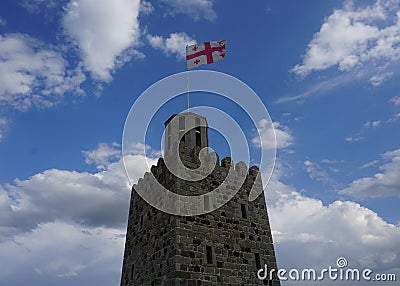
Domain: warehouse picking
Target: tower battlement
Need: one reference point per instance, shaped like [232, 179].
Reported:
[215, 178]
[226, 244]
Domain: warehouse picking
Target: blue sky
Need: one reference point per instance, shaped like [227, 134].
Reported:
[328, 72]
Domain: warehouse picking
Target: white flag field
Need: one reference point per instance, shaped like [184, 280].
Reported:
[205, 53]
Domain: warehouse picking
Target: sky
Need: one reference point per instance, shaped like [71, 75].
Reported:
[70, 71]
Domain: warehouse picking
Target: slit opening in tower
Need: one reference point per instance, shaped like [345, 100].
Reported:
[132, 271]
[257, 260]
[209, 254]
[244, 210]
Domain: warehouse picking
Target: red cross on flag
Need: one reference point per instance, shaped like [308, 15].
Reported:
[205, 53]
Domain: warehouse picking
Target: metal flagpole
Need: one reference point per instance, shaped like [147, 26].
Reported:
[187, 90]
[187, 86]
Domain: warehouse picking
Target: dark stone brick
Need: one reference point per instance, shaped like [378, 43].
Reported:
[170, 250]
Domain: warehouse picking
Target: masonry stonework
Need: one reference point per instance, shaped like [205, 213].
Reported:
[224, 247]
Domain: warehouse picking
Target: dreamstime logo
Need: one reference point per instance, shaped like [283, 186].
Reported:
[341, 262]
[149, 104]
[340, 273]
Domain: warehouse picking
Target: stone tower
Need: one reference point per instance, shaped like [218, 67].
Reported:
[226, 246]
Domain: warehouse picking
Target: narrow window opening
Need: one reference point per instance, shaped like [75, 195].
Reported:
[197, 132]
[206, 203]
[132, 271]
[209, 254]
[258, 261]
[168, 138]
[244, 210]
[181, 123]
[198, 136]
[182, 136]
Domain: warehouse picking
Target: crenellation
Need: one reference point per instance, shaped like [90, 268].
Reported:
[220, 247]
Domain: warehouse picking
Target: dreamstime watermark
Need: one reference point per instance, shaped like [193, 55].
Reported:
[339, 273]
[223, 121]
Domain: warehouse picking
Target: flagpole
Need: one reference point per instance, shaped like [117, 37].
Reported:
[187, 86]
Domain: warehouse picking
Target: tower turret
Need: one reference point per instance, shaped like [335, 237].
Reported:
[188, 128]
[224, 245]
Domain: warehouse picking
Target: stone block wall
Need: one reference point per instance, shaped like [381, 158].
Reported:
[223, 247]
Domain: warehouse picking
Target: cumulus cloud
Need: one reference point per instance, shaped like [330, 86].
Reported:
[105, 32]
[308, 233]
[56, 252]
[103, 155]
[267, 132]
[386, 183]
[33, 75]
[146, 7]
[354, 37]
[93, 200]
[377, 80]
[195, 8]
[174, 44]
[315, 172]
[59, 224]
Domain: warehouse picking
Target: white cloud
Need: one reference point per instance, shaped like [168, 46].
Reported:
[354, 37]
[354, 138]
[3, 126]
[369, 164]
[396, 100]
[105, 32]
[372, 124]
[328, 161]
[315, 172]
[174, 44]
[320, 88]
[37, 6]
[55, 252]
[377, 80]
[98, 200]
[267, 132]
[146, 7]
[308, 233]
[62, 224]
[59, 224]
[195, 8]
[3, 22]
[31, 75]
[103, 155]
[394, 118]
[386, 183]
[375, 123]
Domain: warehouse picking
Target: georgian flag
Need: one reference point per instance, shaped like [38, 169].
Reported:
[205, 53]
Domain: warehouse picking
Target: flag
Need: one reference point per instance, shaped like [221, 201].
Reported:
[205, 53]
